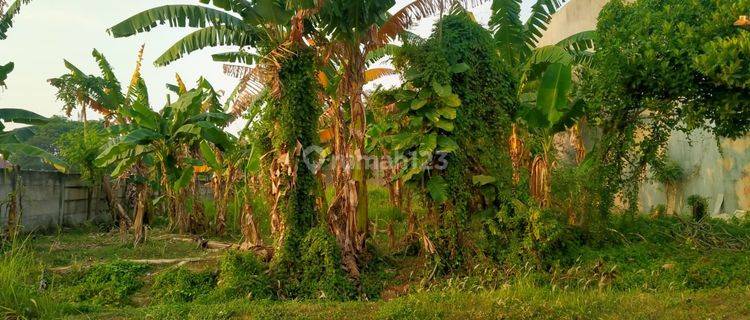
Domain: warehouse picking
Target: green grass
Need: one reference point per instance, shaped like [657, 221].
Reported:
[18, 296]
[90, 245]
[647, 269]
[516, 302]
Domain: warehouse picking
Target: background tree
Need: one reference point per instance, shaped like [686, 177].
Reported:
[646, 82]
[104, 94]
[46, 137]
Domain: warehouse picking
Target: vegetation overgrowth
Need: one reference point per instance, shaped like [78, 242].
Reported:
[448, 195]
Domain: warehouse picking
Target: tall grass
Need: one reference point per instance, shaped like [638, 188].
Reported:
[20, 297]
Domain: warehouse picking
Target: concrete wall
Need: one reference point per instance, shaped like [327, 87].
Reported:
[50, 199]
[720, 174]
[574, 17]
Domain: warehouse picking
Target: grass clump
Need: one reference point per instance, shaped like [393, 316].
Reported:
[242, 274]
[179, 284]
[20, 296]
[109, 284]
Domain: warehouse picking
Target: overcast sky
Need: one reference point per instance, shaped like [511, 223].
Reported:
[48, 31]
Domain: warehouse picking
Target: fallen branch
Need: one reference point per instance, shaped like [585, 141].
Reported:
[170, 261]
[208, 244]
[177, 261]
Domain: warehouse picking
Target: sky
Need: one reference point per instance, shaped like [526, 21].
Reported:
[48, 31]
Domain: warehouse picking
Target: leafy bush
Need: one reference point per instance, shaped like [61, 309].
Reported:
[521, 233]
[459, 99]
[80, 147]
[699, 205]
[323, 277]
[109, 284]
[176, 285]
[660, 254]
[242, 274]
[670, 172]
[576, 192]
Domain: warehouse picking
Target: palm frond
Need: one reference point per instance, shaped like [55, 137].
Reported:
[181, 87]
[246, 99]
[22, 116]
[176, 16]
[204, 38]
[4, 71]
[6, 19]
[541, 58]
[376, 55]
[581, 41]
[252, 13]
[247, 91]
[377, 73]
[541, 15]
[242, 57]
[508, 30]
[106, 69]
[238, 71]
[137, 90]
[412, 13]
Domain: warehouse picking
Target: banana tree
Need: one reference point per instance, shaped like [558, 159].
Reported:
[273, 37]
[169, 140]
[104, 95]
[356, 30]
[518, 44]
[552, 113]
[238, 166]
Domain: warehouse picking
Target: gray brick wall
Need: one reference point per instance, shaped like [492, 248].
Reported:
[51, 199]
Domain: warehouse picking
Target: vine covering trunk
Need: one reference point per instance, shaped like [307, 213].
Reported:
[298, 108]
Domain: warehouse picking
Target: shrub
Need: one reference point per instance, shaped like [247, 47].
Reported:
[179, 284]
[577, 192]
[243, 274]
[323, 277]
[669, 173]
[110, 283]
[699, 205]
[521, 233]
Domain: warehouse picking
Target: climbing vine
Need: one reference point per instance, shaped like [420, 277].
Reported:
[646, 82]
[456, 105]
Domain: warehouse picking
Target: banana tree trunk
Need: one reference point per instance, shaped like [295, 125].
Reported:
[139, 227]
[220, 204]
[412, 220]
[118, 212]
[198, 220]
[356, 71]
[341, 213]
[322, 187]
[249, 227]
